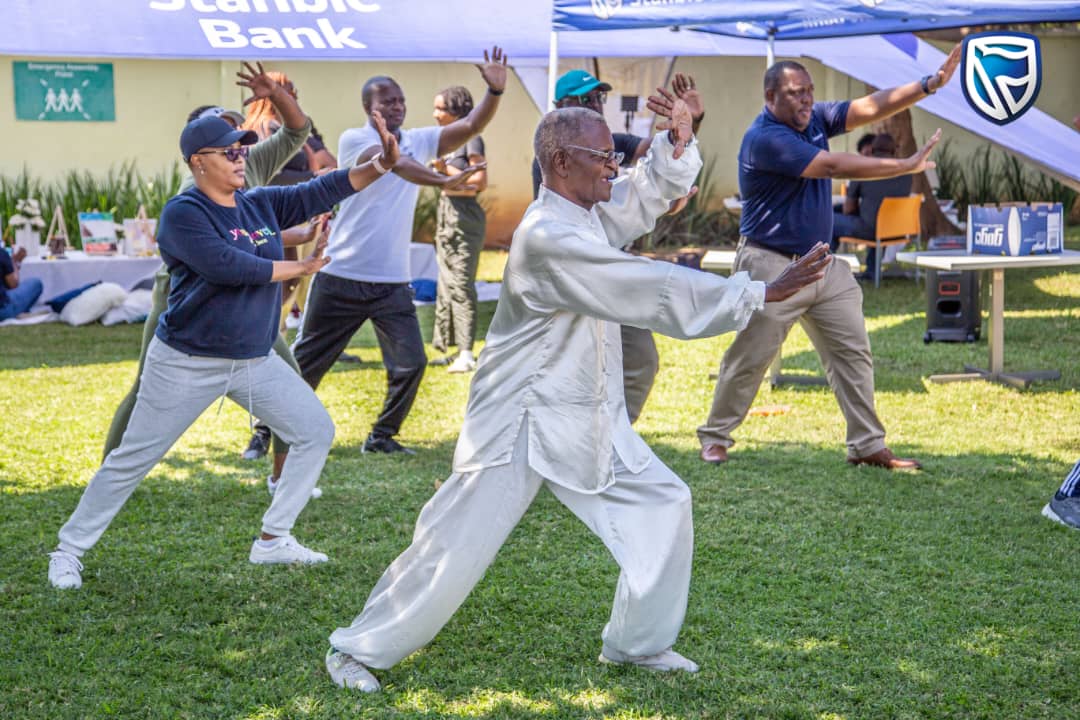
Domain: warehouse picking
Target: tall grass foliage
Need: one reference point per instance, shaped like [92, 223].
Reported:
[992, 175]
[698, 224]
[121, 190]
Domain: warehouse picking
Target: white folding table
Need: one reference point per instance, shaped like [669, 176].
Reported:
[959, 260]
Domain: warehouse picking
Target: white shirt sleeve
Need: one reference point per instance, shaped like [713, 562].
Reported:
[589, 278]
[644, 193]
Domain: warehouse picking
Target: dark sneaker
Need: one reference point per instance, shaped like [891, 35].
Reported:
[378, 444]
[1063, 510]
[259, 445]
[349, 358]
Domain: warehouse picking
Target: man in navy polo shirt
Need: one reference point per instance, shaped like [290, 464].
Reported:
[785, 177]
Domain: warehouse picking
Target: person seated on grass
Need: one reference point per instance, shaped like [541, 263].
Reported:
[546, 404]
[863, 200]
[16, 297]
[223, 248]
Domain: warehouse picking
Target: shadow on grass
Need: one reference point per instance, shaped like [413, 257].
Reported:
[810, 579]
[903, 362]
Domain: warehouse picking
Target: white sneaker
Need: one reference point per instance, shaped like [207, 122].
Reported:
[65, 570]
[271, 485]
[462, 365]
[665, 661]
[347, 672]
[286, 549]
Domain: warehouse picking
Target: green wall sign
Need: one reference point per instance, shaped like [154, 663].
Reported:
[64, 92]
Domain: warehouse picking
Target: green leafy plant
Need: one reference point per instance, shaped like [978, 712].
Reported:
[698, 224]
[121, 190]
[426, 215]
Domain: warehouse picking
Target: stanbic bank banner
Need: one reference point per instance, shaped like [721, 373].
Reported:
[272, 29]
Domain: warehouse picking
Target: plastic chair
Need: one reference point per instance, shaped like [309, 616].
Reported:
[897, 224]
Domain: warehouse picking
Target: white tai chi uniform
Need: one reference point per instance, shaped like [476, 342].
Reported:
[546, 407]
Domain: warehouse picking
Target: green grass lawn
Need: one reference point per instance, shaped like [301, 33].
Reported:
[820, 591]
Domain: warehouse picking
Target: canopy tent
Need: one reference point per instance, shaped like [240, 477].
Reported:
[373, 30]
[273, 29]
[835, 33]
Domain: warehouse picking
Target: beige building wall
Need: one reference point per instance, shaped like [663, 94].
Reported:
[154, 96]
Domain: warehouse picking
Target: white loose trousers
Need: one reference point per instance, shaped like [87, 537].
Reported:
[643, 518]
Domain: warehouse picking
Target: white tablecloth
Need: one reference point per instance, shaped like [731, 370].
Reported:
[422, 262]
[59, 276]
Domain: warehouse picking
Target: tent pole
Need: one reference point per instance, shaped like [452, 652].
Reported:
[553, 71]
[770, 49]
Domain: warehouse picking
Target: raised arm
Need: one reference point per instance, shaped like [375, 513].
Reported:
[666, 174]
[493, 70]
[408, 169]
[884, 103]
[262, 85]
[860, 167]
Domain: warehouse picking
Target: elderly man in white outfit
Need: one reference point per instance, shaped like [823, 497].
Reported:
[546, 405]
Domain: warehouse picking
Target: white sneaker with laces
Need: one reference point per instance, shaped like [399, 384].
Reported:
[286, 549]
[271, 485]
[65, 570]
[665, 661]
[349, 673]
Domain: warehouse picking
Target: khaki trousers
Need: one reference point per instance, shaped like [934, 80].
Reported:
[831, 313]
[644, 519]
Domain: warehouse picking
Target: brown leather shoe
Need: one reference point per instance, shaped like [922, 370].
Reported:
[884, 458]
[714, 453]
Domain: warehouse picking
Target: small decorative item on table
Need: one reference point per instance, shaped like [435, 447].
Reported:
[57, 235]
[27, 224]
[98, 232]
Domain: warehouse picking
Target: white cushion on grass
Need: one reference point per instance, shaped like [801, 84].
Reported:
[92, 304]
[135, 308]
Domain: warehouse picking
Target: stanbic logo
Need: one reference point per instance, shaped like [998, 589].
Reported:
[1002, 74]
[228, 34]
[990, 236]
[604, 9]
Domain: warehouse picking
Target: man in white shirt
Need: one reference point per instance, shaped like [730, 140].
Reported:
[369, 243]
[546, 405]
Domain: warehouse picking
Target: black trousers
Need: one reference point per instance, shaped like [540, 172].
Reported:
[335, 310]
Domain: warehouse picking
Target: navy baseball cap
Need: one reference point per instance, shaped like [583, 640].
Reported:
[578, 82]
[212, 132]
[218, 111]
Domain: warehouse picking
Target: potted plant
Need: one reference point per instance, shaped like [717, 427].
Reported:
[28, 224]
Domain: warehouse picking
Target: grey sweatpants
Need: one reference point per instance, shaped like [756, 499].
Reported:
[173, 391]
[644, 519]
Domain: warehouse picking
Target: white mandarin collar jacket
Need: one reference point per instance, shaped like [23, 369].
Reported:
[553, 356]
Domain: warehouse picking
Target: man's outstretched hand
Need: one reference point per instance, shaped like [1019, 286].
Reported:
[390, 150]
[493, 69]
[805, 271]
[921, 161]
[945, 72]
[679, 122]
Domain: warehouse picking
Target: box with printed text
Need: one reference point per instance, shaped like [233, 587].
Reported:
[1015, 229]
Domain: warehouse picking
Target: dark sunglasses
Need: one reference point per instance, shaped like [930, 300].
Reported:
[231, 154]
[594, 97]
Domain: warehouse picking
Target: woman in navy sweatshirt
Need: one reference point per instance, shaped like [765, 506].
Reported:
[223, 248]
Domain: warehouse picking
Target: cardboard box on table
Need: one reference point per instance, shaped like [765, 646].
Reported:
[1015, 229]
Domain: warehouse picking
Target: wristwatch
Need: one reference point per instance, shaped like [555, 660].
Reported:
[925, 82]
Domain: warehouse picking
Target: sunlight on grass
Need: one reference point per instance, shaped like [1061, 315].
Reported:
[589, 699]
[831, 716]
[800, 645]
[985, 641]
[1063, 285]
[912, 670]
[479, 704]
